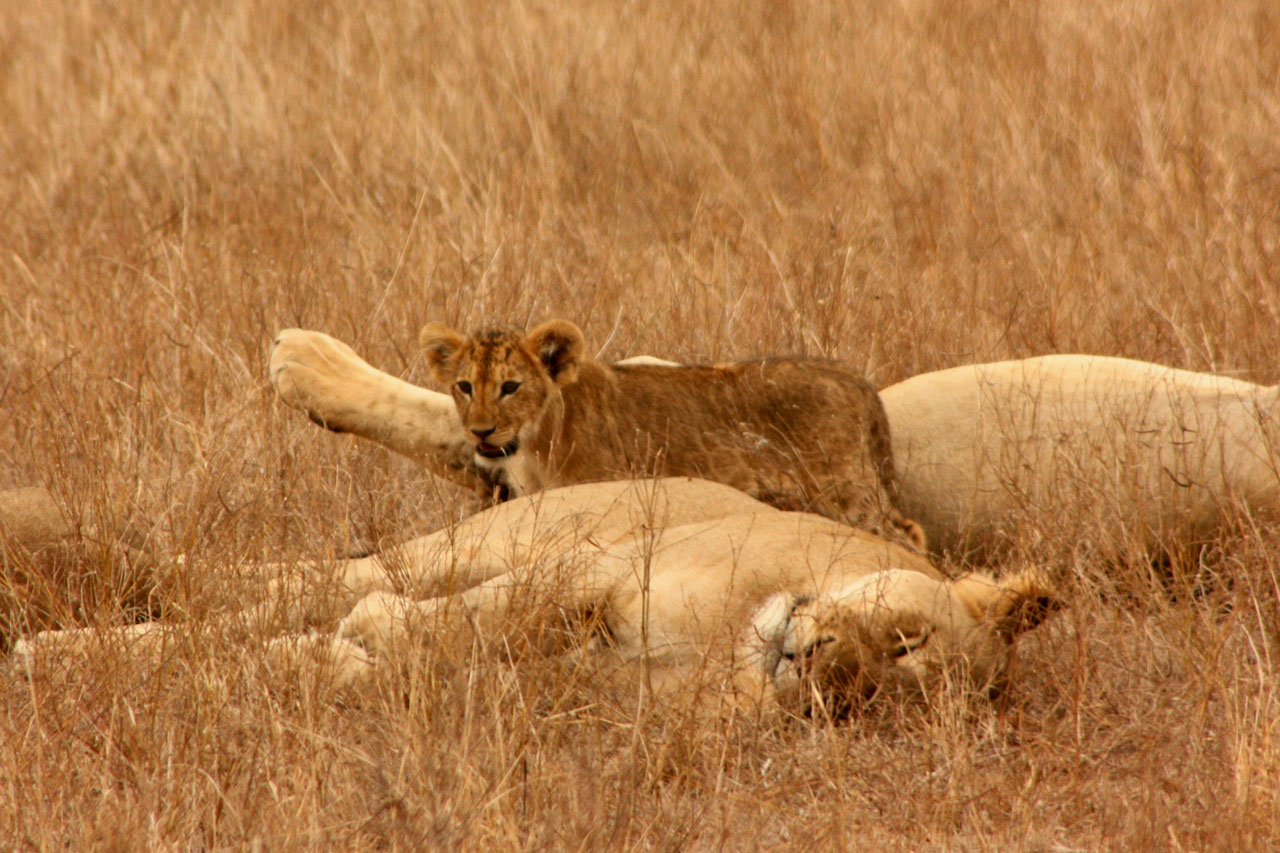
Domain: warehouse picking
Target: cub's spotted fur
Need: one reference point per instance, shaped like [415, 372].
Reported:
[796, 433]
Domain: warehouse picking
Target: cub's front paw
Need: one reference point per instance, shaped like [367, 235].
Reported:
[378, 622]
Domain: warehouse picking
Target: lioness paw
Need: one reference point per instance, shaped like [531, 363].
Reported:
[22, 658]
[303, 365]
[347, 663]
[378, 621]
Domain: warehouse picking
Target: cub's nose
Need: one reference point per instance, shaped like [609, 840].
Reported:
[482, 434]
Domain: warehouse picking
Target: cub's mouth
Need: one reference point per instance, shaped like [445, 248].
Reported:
[492, 451]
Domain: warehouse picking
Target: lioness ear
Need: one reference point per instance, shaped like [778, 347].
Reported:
[1011, 605]
[439, 344]
[558, 344]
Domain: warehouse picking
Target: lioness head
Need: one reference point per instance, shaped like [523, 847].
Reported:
[502, 378]
[893, 632]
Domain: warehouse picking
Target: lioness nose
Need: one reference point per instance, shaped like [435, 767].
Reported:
[482, 434]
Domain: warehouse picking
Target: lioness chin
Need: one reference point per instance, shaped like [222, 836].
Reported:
[530, 410]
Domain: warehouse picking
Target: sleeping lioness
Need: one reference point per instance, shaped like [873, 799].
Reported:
[693, 579]
[528, 411]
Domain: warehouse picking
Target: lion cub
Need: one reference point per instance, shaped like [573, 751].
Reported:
[796, 433]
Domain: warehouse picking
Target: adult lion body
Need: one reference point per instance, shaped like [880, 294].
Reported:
[1126, 457]
[529, 411]
[693, 578]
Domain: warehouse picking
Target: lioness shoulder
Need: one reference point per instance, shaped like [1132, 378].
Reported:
[797, 433]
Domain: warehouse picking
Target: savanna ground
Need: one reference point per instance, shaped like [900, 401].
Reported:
[903, 185]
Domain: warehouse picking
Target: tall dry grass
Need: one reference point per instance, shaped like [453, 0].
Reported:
[903, 185]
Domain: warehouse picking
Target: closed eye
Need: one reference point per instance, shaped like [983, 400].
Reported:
[509, 388]
[465, 388]
[910, 644]
[809, 650]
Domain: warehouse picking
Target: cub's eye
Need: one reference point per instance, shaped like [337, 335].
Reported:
[465, 388]
[509, 388]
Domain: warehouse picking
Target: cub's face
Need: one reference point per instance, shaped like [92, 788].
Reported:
[502, 380]
[894, 633]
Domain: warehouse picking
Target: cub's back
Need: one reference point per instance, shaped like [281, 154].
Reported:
[797, 433]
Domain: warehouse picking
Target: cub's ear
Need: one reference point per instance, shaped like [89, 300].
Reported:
[558, 344]
[1010, 605]
[440, 344]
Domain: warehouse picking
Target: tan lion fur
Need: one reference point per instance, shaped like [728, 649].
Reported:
[1130, 452]
[692, 580]
[30, 518]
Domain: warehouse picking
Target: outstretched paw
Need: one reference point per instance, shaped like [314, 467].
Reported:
[335, 388]
[28, 653]
[346, 662]
[317, 374]
[378, 622]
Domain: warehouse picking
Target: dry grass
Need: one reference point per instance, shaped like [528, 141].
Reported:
[904, 185]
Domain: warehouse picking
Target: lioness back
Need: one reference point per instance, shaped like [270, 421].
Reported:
[797, 433]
